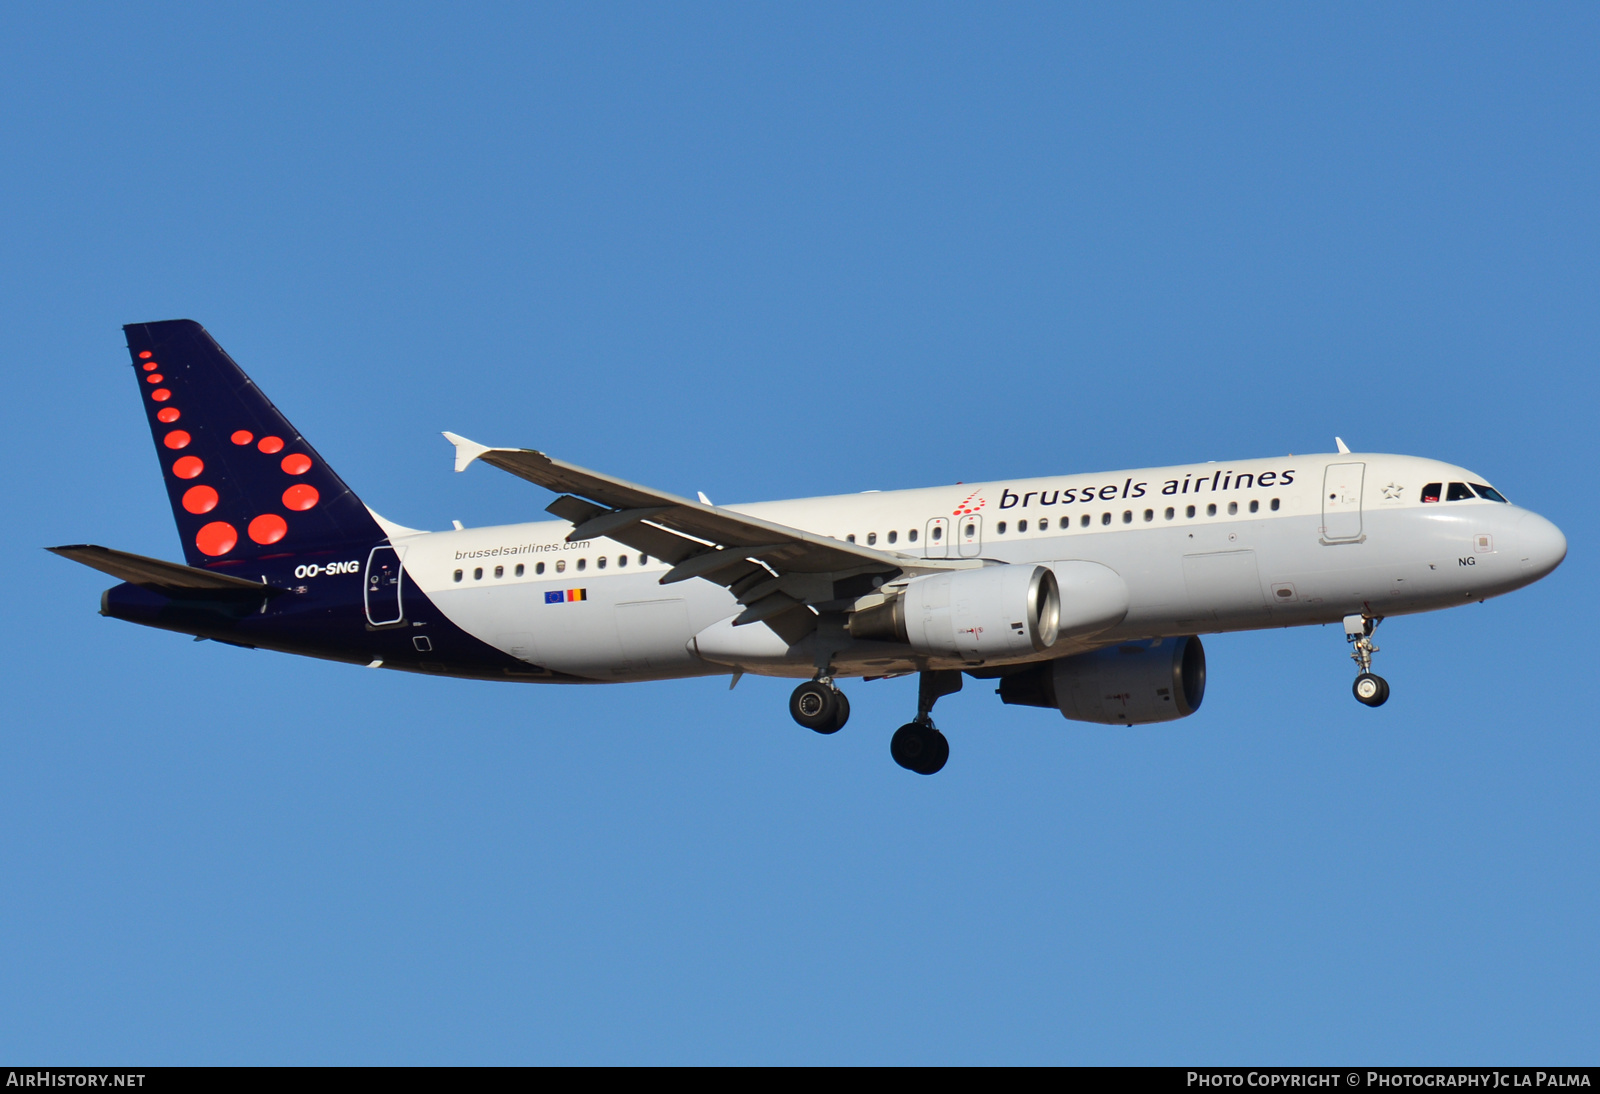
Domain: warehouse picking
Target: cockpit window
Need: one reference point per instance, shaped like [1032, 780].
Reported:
[1459, 492]
[1489, 493]
[1431, 491]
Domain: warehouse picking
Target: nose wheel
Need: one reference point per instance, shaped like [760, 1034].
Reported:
[1369, 688]
[819, 705]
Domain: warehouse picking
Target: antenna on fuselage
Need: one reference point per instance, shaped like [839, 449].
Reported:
[1344, 449]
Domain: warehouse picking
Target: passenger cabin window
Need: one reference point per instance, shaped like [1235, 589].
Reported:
[583, 564]
[600, 563]
[1255, 507]
[893, 536]
[622, 560]
[1211, 510]
[458, 575]
[1431, 491]
[1105, 518]
[644, 560]
[1000, 529]
[1170, 513]
[1274, 505]
[938, 532]
[521, 569]
[872, 539]
[912, 535]
[1084, 521]
[499, 571]
[1459, 491]
[1022, 526]
[1127, 516]
[538, 567]
[561, 566]
[1489, 493]
[477, 574]
[1233, 508]
[1188, 511]
[851, 538]
[1149, 515]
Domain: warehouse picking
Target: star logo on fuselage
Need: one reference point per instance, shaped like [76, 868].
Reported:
[1392, 492]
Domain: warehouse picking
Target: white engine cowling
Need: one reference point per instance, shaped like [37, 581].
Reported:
[1158, 680]
[977, 615]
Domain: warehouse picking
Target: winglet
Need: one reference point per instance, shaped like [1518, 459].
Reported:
[1344, 449]
[466, 451]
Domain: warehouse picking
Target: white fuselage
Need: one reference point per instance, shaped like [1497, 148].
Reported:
[1201, 548]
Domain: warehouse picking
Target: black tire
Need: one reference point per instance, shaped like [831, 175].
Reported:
[1371, 690]
[919, 748]
[816, 706]
[843, 714]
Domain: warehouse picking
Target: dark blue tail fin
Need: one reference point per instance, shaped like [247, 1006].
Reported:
[243, 482]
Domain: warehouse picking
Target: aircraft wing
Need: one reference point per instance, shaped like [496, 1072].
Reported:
[158, 573]
[774, 570]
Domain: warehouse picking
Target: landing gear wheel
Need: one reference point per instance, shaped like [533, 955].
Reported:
[842, 716]
[817, 706]
[1371, 690]
[920, 748]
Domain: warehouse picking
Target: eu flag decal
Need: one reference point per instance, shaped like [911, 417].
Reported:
[555, 598]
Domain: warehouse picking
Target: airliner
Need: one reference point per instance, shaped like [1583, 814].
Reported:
[1086, 593]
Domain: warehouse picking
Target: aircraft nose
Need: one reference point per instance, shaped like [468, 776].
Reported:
[1540, 545]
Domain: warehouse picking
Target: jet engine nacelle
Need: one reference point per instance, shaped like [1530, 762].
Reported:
[977, 615]
[1158, 680]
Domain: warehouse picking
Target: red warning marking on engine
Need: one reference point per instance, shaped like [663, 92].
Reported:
[300, 497]
[271, 445]
[268, 528]
[296, 463]
[242, 436]
[161, 395]
[217, 538]
[177, 439]
[188, 467]
[145, 355]
[154, 378]
[168, 414]
[200, 499]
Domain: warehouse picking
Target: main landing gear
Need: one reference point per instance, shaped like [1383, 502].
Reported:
[819, 704]
[1369, 689]
[917, 745]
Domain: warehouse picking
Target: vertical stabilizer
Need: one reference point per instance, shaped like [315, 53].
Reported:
[242, 480]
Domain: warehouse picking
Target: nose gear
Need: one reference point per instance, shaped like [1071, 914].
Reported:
[1370, 689]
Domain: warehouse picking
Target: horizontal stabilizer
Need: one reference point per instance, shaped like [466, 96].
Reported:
[155, 572]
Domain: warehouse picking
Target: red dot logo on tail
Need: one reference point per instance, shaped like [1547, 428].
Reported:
[271, 445]
[145, 355]
[268, 528]
[296, 463]
[200, 499]
[216, 539]
[300, 497]
[176, 439]
[242, 436]
[188, 467]
[168, 414]
[161, 395]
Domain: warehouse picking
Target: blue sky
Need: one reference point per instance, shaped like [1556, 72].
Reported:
[767, 251]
